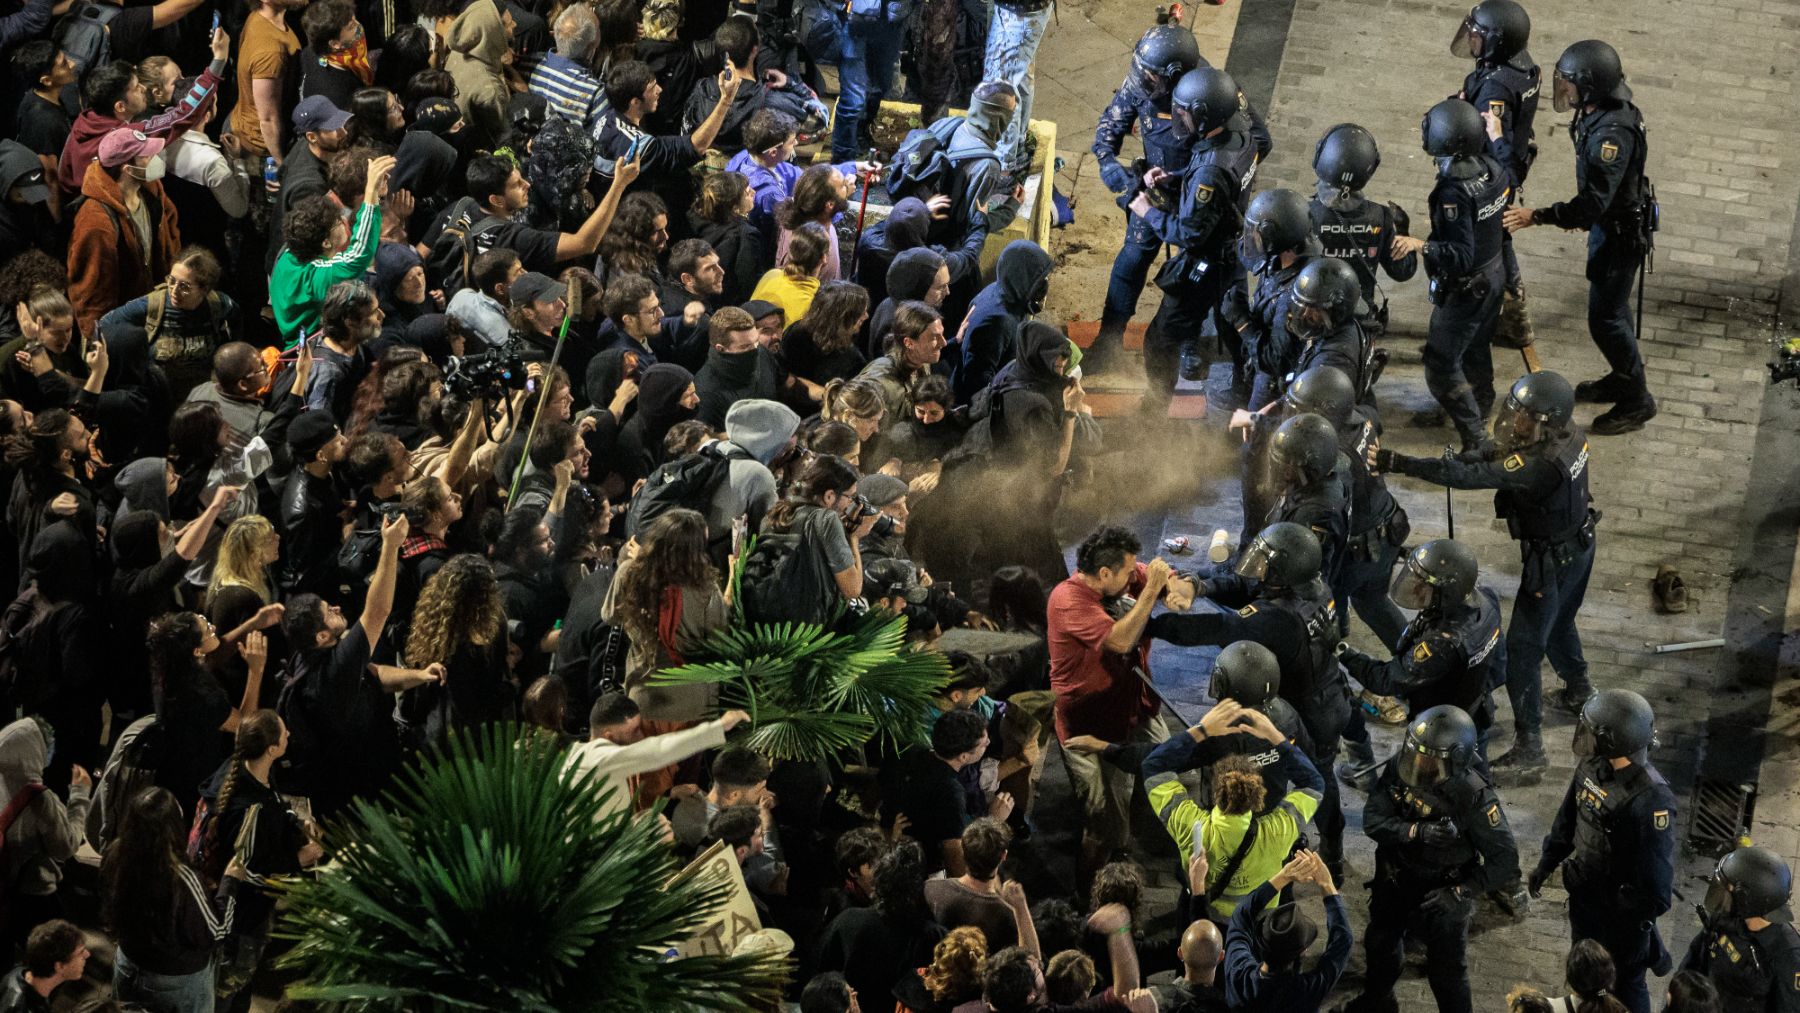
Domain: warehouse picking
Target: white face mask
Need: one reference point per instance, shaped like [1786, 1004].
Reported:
[153, 171]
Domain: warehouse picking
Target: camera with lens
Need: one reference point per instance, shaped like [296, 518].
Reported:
[488, 375]
[884, 525]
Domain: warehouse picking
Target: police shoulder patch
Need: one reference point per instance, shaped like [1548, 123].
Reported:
[1797, 981]
[1421, 653]
[1203, 194]
[1247, 611]
[1497, 107]
[1513, 462]
[1449, 212]
[1660, 818]
[1493, 815]
[1609, 151]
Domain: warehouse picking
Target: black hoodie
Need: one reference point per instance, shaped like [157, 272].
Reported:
[991, 333]
[730, 377]
[640, 448]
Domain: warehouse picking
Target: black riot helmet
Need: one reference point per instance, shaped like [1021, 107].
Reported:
[1346, 157]
[1440, 743]
[1303, 451]
[1205, 100]
[1276, 222]
[1589, 73]
[1439, 573]
[1323, 390]
[1538, 406]
[1284, 554]
[1452, 129]
[1494, 32]
[1323, 298]
[1246, 672]
[1615, 723]
[1161, 56]
[1750, 882]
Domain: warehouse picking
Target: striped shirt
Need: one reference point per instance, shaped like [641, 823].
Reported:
[297, 289]
[571, 91]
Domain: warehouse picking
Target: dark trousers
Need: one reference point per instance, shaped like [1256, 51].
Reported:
[1634, 947]
[1325, 718]
[1130, 269]
[1185, 309]
[1543, 623]
[1394, 913]
[1364, 584]
[1612, 269]
[1459, 358]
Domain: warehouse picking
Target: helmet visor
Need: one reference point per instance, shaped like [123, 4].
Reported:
[1148, 80]
[1564, 95]
[1718, 898]
[1514, 427]
[1421, 770]
[1411, 590]
[1469, 42]
[1587, 743]
[1250, 249]
[1255, 559]
[1307, 321]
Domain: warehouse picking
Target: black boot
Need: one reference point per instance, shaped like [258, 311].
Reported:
[1523, 764]
[1193, 364]
[1359, 770]
[1571, 698]
[1625, 417]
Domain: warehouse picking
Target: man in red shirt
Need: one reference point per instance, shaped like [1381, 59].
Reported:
[1097, 647]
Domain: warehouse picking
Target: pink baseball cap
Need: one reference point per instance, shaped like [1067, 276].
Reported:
[124, 144]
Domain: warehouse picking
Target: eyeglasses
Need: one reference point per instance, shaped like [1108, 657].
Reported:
[179, 287]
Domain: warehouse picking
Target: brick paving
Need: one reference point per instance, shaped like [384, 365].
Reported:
[1717, 83]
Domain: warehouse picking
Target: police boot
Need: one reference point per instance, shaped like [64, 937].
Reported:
[1523, 764]
[1430, 418]
[1359, 770]
[1366, 1003]
[1570, 699]
[1513, 329]
[1103, 354]
[1625, 417]
[1609, 389]
[1193, 364]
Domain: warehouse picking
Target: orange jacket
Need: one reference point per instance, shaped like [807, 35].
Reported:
[106, 259]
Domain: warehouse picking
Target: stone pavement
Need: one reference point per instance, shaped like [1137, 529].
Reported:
[1717, 83]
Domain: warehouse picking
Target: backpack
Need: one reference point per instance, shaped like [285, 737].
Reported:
[688, 482]
[130, 769]
[358, 555]
[786, 580]
[458, 244]
[85, 34]
[922, 166]
[22, 676]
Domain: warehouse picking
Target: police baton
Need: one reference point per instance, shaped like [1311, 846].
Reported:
[1449, 502]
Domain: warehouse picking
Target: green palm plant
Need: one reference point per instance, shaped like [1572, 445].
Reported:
[817, 691]
[487, 880]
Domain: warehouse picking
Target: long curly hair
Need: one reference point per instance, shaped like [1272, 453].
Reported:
[629, 245]
[1237, 787]
[172, 641]
[240, 558]
[815, 199]
[957, 965]
[460, 604]
[671, 554]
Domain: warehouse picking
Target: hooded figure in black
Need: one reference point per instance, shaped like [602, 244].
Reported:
[424, 166]
[732, 376]
[909, 277]
[904, 229]
[991, 332]
[142, 587]
[562, 159]
[392, 263]
[68, 649]
[665, 397]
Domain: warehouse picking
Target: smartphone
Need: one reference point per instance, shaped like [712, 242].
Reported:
[215, 26]
[637, 147]
[740, 529]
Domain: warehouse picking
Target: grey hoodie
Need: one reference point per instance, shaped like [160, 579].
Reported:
[47, 832]
[763, 430]
[143, 485]
[972, 149]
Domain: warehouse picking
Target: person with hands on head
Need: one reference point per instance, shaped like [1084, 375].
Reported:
[1243, 843]
[323, 250]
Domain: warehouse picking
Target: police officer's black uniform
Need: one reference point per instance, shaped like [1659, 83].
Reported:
[1448, 653]
[1540, 483]
[1314, 484]
[1614, 838]
[1287, 608]
[1215, 188]
[1757, 970]
[1439, 844]
[1463, 259]
[1248, 673]
[1321, 315]
[1505, 85]
[1614, 204]
[1353, 228]
[1276, 226]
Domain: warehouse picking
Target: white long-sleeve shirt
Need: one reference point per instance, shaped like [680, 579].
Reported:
[614, 764]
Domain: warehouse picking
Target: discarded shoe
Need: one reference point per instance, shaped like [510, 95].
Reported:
[1388, 709]
[1513, 329]
[1670, 593]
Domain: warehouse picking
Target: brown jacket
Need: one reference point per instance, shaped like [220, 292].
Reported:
[106, 259]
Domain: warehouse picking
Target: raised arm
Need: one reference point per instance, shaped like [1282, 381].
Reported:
[380, 603]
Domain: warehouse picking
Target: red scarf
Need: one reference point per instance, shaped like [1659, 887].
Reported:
[668, 623]
[355, 60]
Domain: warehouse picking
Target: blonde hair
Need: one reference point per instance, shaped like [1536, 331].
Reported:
[240, 558]
[957, 965]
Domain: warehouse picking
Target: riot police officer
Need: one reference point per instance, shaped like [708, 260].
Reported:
[1378, 524]
[1617, 207]
[1447, 653]
[1322, 316]
[1214, 185]
[1463, 259]
[1352, 227]
[1248, 673]
[1276, 243]
[1287, 608]
[1314, 491]
[1539, 472]
[1747, 944]
[1614, 838]
[1441, 840]
[1503, 88]
[1162, 55]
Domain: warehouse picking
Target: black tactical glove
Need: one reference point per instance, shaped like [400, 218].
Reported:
[1535, 883]
[1436, 834]
[1387, 462]
[1448, 902]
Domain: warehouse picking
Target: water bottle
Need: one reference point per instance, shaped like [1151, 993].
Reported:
[271, 174]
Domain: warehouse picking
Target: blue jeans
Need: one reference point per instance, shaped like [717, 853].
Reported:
[1543, 623]
[162, 993]
[1130, 269]
[1012, 46]
[866, 68]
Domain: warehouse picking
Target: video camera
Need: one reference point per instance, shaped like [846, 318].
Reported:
[884, 525]
[488, 375]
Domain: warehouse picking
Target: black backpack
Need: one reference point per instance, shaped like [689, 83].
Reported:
[922, 166]
[688, 482]
[22, 673]
[358, 555]
[786, 579]
[84, 34]
[459, 243]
